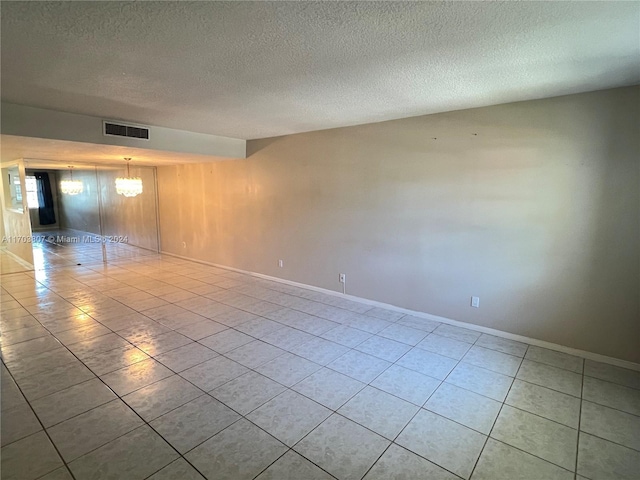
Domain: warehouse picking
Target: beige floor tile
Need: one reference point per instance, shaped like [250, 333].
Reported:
[384, 314]
[30, 457]
[463, 406]
[457, 333]
[379, 411]
[360, 366]
[383, 348]
[320, 351]
[288, 369]
[443, 442]
[407, 384]
[289, 416]
[203, 329]
[185, 357]
[55, 380]
[493, 360]
[292, 466]
[116, 359]
[239, 452]
[18, 422]
[247, 392]
[61, 473]
[503, 345]
[404, 334]
[538, 436]
[612, 395]
[554, 378]
[445, 346]
[551, 404]
[121, 457]
[226, 341]
[90, 430]
[213, 373]
[329, 388]
[503, 462]
[600, 459]
[259, 327]
[163, 343]
[555, 359]
[136, 376]
[180, 469]
[400, 463]
[479, 380]
[286, 337]
[418, 323]
[161, 397]
[611, 373]
[343, 448]
[40, 363]
[62, 405]
[254, 354]
[346, 336]
[193, 423]
[427, 363]
[613, 425]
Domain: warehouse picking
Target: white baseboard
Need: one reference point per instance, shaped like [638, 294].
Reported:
[490, 331]
[22, 262]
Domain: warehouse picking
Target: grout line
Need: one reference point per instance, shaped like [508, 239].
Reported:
[231, 289]
[118, 397]
[64, 462]
[532, 455]
[497, 416]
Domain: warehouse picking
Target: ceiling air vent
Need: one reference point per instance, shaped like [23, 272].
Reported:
[112, 129]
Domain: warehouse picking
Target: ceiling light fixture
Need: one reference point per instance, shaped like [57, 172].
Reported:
[71, 186]
[129, 186]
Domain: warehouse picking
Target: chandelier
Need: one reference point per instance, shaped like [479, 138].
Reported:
[129, 186]
[71, 186]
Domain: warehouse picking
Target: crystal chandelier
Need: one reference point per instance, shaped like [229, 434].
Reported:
[71, 186]
[129, 186]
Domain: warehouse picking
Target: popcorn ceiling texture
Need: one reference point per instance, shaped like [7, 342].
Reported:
[260, 69]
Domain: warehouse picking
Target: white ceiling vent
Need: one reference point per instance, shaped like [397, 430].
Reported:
[112, 129]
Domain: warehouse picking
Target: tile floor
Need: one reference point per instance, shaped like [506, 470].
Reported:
[9, 264]
[160, 368]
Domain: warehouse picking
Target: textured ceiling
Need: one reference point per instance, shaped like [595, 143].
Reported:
[258, 69]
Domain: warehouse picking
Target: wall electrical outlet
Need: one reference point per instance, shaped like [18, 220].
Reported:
[475, 302]
[343, 278]
[280, 263]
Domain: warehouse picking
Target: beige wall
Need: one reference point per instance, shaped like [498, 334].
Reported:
[532, 206]
[17, 226]
[133, 217]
